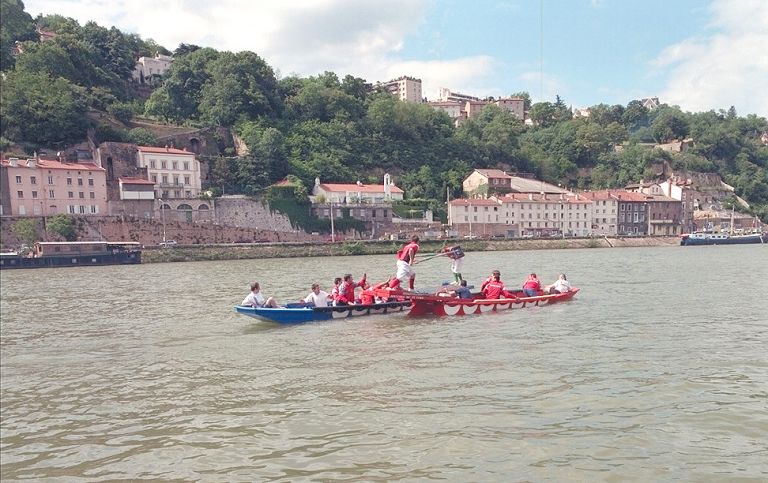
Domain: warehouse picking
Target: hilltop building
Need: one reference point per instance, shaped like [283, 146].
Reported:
[405, 88]
[149, 67]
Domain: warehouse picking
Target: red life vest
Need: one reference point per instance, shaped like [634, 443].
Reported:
[532, 282]
[347, 291]
[486, 282]
[408, 249]
[493, 289]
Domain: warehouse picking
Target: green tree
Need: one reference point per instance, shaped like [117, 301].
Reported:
[26, 230]
[42, 110]
[543, 114]
[670, 124]
[15, 25]
[62, 225]
[141, 136]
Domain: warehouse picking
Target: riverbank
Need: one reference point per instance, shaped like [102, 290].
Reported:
[375, 247]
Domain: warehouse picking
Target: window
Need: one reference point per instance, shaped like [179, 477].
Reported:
[90, 181]
[51, 194]
[79, 181]
[189, 195]
[50, 179]
[20, 194]
[82, 209]
[636, 216]
[81, 195]
[33, 179]
[152, 163]
[72, 209]
[18, 179]
[94, 209]
[186, 165]
[93, 195]
[165, 179]
[163, 164]
[177, 193]
[154, 178]
[175, 165]
[176, 180]
[34, 194]
[186, 180]
[69, 181]
[70, 194]
[165, 194]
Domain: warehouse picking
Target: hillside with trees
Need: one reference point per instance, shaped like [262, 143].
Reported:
[340, 129]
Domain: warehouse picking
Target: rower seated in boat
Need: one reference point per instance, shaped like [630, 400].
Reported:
[561, 285]
[532, 286]
[317, 297]
[494, 288]
[462, 291]
[256, 298]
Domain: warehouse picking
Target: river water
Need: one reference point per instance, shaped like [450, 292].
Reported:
[656, 371]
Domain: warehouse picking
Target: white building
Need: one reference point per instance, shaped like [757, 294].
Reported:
[146, 67]
[175, 172]
[349, 193]
[521, 214]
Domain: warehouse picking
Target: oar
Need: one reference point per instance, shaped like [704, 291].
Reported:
[454, 253]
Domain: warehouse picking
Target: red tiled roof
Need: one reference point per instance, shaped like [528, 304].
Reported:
[48, 164]
[128, 180]
[356, 188]
[152, 149]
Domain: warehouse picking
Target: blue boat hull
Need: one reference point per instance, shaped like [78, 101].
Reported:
[299, 315]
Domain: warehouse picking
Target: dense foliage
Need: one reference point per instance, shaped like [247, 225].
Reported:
[344, 130]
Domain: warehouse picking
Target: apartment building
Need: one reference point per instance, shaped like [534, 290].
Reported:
[605, 207]
[522, 214]
[41, 187]
[405, 88]
[175, 172]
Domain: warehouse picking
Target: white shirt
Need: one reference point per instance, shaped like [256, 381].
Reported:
[319, 299]
[254, 299]
[562, 286]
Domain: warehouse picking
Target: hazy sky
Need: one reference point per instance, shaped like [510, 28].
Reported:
[698, 54]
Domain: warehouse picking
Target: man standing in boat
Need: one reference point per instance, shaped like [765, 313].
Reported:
[406, 257]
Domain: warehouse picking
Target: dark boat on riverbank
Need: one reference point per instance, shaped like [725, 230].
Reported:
[709, 238]
[74, 254]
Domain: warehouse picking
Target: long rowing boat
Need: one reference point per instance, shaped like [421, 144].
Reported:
[440, 304]
[300, 313]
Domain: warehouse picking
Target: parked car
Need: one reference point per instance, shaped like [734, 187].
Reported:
[168, 243]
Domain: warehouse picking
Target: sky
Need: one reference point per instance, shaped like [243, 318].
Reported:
[700, 55]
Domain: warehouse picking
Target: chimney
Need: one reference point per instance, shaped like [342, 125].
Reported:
[530, 196]
[13, 162]
[31, 163]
